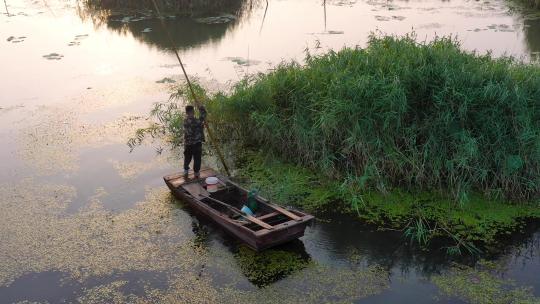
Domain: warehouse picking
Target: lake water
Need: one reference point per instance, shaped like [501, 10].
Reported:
[84, 220]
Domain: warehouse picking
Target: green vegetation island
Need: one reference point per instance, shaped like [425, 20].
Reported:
[421, 137]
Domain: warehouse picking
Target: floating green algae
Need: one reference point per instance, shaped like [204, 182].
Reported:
[52, 136]
[482, 285]
[130, 170]
[314, 284]
[108, 293]
[318, 284]
[37, 235]
[52, 143]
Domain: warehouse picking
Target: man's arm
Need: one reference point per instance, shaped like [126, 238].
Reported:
[202, 114]
[188, 130]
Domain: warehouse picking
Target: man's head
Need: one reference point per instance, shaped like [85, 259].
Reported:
[190, 111]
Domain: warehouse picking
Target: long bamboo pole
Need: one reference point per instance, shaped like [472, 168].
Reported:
[195, 98]
[7, 12]
[264, 17]
[324, 4]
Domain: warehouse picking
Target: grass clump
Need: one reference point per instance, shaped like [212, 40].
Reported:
[398, 113]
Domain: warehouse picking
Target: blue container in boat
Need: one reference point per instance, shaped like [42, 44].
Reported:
[246, 210]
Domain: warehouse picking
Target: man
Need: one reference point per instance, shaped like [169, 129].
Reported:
[193, 139]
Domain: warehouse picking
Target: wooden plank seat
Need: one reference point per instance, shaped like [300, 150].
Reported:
[198, 192]
[268, 215]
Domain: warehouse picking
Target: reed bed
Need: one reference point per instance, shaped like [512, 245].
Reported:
[398, 114]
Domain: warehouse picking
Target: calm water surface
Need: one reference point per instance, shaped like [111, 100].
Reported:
[84, 220]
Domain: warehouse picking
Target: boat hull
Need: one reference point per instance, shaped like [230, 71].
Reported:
[257, 240]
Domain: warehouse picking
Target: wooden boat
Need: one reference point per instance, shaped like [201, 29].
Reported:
[270, 226]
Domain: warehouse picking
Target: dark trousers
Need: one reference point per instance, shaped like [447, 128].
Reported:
[193, 151]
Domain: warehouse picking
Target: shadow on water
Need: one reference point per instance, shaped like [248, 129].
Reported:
[259, 268]
[186, 32]
[532, 34]
[392, 248]
[344, 236]
[531, 25]
[344, 242]
[271, 265]
[184, 8]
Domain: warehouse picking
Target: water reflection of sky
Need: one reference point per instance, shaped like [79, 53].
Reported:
[66, 121]
[113, 49]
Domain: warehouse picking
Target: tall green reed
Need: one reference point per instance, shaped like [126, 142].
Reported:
[398, 113]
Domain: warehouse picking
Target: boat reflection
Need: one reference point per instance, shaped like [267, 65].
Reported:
[271, 265]
[259, 268]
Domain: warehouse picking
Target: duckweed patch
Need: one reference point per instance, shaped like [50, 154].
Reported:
[53, 143]
[482, 285]
[52, 139]
[37, 235]
[318, 284]
[131, 170]
[314, 284]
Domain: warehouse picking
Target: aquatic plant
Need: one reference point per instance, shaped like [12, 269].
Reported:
[398, 113]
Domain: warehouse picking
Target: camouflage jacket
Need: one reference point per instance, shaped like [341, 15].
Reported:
[194, 128]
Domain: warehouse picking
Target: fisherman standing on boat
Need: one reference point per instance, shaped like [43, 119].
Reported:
[193, 139]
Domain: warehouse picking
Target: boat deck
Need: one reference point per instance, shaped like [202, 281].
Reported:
[269, 226]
